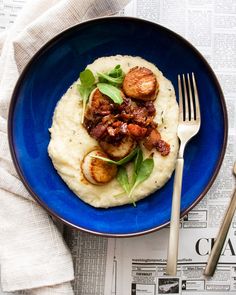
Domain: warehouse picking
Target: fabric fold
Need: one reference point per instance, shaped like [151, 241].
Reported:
[33, 254]
[68, 13]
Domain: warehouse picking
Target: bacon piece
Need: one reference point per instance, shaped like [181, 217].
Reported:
[118, 127]
[140, 115]
[113, 131]
[163, 147]
[150, 107]
[117, 124]
[98, 131]
[109, 119]
[127, 102]
[124, 128]
[137, 114]
[102, 112]
[154, 141]
[100, 105]
[136, 131]
[126, 116]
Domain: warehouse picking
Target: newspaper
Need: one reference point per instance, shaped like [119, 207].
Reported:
[9, 10]
[136, 266]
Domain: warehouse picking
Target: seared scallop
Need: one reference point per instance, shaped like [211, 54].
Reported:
[97, 171]
[140, 83]
[121, 150]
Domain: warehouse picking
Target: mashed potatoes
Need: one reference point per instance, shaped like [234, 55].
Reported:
[70, 141]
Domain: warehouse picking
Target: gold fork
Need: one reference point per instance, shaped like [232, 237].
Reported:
[189, 125]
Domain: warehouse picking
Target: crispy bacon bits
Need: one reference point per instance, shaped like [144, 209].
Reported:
[136, 131]
[140, 83]
[118, 128]
[100, 105]
[154, 141]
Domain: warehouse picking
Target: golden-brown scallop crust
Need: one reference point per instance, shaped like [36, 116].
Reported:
[101, 171]
[140, 83]
[97, 171]
[121, 150]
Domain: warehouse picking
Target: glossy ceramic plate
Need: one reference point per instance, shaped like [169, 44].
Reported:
[56, 66]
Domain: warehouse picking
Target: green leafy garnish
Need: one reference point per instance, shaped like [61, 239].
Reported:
[111, 91]
[143, 172]
[142, 169]
[87, 78]
[122, 161]
[114, 77]
[113, 81]
[85, 87]
[137, 163]
[122, 178]
[108, 83]
[116, 72]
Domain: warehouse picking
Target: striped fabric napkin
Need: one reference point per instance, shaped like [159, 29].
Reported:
[33, 255]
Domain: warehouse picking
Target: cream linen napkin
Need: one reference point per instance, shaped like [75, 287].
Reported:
[32, 252]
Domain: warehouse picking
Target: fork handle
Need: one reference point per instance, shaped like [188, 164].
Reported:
[220, 239]
[172, 255]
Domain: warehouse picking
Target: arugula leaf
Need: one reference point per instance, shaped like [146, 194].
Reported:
[122, 178]
[111, 91]
[138, 160]
[137, 163]
[114, 77]
[142, 169]
[106, 79]
[116, 72]
[120, 195]
[122, 161]
[85, 87]
[87, 78]
[145, 170]
[110, 79]
[143, 173]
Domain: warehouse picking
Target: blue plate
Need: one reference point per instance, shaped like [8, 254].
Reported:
[56, 66]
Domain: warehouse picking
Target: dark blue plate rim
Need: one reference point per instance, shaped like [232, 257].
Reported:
[14, 100]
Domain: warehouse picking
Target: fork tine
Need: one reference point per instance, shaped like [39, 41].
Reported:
[181, 114]
[198, 115]
[185, 100]
[190, 98]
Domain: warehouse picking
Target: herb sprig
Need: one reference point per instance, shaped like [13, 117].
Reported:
[114, 77]
[142, 169]
[122, 161]
[123, 179]
[85, 87]
[111, 91]
[108, 83]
